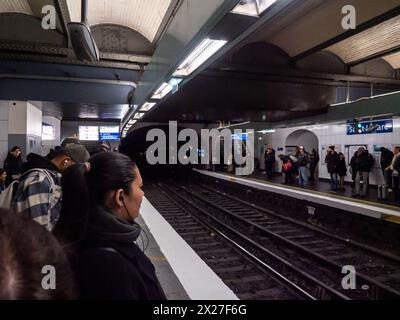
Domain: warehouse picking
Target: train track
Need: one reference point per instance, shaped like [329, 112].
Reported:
[300, 256]
[248, 277]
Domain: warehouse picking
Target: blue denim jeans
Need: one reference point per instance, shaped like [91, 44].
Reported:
[303, 178]
[334, 181]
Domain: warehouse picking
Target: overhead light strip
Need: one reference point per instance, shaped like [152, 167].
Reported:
[252, 8]
[162, 91]
[198, 56]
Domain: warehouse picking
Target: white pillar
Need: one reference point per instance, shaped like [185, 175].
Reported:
[25, 127]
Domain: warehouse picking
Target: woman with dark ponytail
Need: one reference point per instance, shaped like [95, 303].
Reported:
[101, 200]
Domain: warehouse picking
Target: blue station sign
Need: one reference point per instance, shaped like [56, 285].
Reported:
[369, 127]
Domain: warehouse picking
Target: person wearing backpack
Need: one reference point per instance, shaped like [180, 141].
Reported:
[303, 161]
[38, 193]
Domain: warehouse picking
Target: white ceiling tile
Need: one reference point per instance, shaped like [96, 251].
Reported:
[18, 6]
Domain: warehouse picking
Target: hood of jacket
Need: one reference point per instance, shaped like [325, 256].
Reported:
[34, 161]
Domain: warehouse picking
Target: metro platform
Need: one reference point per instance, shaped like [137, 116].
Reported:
[181, 272]
[317, 193]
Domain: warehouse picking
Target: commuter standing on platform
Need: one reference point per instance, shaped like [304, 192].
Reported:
[38, 194]
[314, 160]
[386, 161]
[303, 161]
[3, 176]
[332, 162]
[269, 162]
[364, 166]
[13, 165]
[342, 171]
[287, 168]
[394, 168]
[101, 200]
[353, 170]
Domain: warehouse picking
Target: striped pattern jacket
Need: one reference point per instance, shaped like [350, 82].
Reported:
[38, 196]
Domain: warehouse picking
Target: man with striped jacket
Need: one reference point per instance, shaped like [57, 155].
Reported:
[38, 194]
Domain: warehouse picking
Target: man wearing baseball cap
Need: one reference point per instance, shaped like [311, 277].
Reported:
[38, 194]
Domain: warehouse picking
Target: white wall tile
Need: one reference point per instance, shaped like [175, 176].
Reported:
[3, 152]
[3, 110]
[3, 130]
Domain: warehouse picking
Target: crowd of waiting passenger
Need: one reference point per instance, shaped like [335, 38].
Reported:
[301, 168]
[75, 213]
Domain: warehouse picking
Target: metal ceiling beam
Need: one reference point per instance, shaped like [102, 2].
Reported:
[169, 16]
[300, 74]
[385, 105]
[67, 61]
[362, 27]
[68, 79]
[63, 16]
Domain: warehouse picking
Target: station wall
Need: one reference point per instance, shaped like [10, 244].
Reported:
[3, 131]
[335, 134]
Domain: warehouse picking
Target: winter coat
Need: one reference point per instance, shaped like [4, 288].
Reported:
[332, 162]
[111, 265]
[29, 199]
[304, 160]
[364, 162]
[13, 166]
[386, 158]
[314, 159]
[341, 168]
[269, 159]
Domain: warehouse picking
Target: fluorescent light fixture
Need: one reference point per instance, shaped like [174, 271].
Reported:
[267, 131]
[252, 7]
[199, 55]
[138, 115]
[128, 126]
[162, 91]
[233, 125]
[131, 122]
[147, 106]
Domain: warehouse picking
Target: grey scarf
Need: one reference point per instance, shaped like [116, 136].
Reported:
[104, 225]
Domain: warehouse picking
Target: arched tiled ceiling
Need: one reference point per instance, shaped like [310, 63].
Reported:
[394, 60]
[16, 6]
[300, 31]
[144, 16]
[380, 38]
